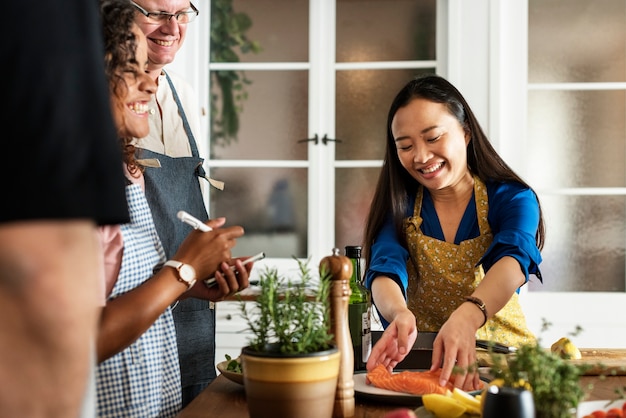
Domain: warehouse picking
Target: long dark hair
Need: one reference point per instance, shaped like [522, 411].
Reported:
[120, 46]
[395, 184]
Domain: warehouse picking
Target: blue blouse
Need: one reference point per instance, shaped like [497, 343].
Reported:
[513, 217]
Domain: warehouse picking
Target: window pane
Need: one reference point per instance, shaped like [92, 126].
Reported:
[271, 205]
[272, 117]
[385, 30]
[281, 28]
[363, 100]
[577, 41]
[353, 194]
[585, 245]
[577, 138]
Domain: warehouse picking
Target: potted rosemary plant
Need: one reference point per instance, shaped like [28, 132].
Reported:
[291, 365]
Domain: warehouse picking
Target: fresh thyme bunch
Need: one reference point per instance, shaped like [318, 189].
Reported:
[554, 381]
[291, 318]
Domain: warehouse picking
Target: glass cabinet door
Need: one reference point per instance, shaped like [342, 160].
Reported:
[381, 45]
[259, 84]
[577, 141]
[298, 113]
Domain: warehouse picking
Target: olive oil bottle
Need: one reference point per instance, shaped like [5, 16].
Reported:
[359, 311]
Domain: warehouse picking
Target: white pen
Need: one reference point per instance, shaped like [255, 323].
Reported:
[260, 256]
[194, 222]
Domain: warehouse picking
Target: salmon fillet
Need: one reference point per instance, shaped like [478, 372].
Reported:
[412, 382]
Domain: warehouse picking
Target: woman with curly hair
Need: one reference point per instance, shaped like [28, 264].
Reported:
[138, 372]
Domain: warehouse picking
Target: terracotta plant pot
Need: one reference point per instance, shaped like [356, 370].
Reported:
[282, 386]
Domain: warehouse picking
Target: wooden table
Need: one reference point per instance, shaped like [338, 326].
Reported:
[226, 399]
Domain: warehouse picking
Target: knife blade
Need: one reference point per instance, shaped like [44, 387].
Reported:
[495, 347]
[425, 342]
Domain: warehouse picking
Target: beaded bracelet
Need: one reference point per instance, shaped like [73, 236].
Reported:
[480, 304]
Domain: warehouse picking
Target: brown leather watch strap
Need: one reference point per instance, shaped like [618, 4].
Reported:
[480, 304]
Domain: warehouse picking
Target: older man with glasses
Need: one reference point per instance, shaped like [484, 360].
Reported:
[174, 176]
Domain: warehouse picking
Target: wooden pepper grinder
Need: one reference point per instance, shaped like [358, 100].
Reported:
[340, 269]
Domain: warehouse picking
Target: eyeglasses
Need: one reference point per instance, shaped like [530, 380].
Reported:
[164, 17]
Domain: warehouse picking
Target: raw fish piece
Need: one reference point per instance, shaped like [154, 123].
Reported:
[412, 382]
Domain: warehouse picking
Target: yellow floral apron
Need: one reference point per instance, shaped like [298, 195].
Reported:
[442, 274]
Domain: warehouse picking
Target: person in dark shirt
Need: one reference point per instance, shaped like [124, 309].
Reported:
[138, 368]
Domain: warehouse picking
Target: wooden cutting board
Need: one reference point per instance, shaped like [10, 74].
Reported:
[601, 361]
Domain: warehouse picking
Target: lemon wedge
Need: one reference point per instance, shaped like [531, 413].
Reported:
[443, 406]
[472, 405]
[566, 349]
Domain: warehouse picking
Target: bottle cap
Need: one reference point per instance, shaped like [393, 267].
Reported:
[353, 251]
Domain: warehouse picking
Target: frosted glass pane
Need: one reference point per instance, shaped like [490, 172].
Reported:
[585, 244]
[363, 100]
[385, 30]
[353, 194]
[281, 28]
[577, 41]
[271, 205]
[576, 139]
[273, 116]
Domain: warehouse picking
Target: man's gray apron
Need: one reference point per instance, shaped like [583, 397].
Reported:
[172, 187]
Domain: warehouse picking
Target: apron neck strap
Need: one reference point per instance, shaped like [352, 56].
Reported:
[181, 111]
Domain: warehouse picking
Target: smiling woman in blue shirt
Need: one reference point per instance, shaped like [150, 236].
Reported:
[452, 234]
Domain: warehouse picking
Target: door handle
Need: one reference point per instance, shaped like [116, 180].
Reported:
[314, 139]
[326, 140]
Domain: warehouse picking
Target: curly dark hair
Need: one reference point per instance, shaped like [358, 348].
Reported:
[120, 45]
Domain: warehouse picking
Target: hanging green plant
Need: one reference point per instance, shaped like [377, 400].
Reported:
[228, 87]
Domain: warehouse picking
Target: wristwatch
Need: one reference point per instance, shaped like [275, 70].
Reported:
[186, 273]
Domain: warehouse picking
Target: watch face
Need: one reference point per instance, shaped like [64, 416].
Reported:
[187, 273]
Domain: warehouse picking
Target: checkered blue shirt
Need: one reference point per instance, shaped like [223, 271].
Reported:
[143, 380]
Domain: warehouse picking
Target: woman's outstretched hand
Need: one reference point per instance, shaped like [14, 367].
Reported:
[395, 343]
[455, 347]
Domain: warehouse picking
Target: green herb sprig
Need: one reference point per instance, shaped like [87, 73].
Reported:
[292, 317]
[554, 381]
